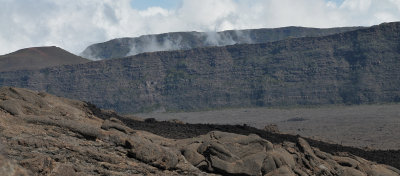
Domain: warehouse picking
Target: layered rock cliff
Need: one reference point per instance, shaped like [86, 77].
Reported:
[355, 67]
[42, 134]
[123, 47]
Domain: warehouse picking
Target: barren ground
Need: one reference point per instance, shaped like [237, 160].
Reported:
[372, 126]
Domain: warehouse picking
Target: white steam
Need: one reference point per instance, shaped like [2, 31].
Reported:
[150, 43]
[74, 25]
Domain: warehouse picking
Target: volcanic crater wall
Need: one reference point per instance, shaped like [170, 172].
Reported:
[355, 67]
[123, 47]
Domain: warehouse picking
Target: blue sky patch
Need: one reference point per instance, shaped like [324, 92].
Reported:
[144, 4]
[338, 2]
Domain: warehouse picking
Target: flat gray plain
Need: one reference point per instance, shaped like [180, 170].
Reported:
[364, 126]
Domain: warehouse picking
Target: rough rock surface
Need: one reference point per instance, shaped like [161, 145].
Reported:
[11, 168]
[49, 135]
[234, 154]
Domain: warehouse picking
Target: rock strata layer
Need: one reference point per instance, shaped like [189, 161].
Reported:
[122, 47]
[356, 67]
[42, 134]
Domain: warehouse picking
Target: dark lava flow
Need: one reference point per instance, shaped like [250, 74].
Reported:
[180, 131]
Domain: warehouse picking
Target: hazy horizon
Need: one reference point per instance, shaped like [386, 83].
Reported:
[75, 25]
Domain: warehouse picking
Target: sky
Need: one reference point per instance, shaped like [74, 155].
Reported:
[76, 24]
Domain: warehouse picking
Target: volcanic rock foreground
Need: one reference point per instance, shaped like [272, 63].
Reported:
[42, 134]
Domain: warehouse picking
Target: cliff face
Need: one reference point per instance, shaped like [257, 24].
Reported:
[352, 68]
[123, 47]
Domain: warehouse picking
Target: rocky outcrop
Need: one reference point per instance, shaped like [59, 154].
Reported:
[348, 68]
[123, 47]
[50, 135]
[233, 154]
[56, 136]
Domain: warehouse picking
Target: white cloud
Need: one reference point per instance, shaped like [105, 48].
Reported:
[207, 14]
[358, 5]
[154, 11]
[73, 25]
